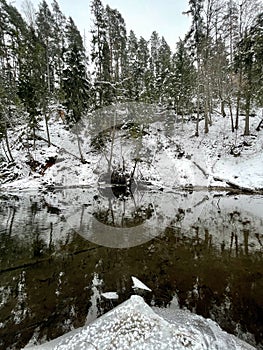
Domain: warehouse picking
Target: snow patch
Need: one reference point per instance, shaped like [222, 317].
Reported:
[134, 325]
[110, 295]
[138, 284]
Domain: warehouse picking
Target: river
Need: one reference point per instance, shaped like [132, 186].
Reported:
[61, 249]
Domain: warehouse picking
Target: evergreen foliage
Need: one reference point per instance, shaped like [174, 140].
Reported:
[183, 79]
[75, 85]
[256, 38]
[43, 61]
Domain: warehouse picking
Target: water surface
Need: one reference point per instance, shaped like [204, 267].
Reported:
[59, 251]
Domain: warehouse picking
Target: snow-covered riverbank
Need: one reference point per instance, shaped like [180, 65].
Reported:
[171, 156]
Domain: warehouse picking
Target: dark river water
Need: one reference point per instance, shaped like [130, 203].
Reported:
[60, 250]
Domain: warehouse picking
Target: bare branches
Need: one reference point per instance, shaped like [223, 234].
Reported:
[29, 12]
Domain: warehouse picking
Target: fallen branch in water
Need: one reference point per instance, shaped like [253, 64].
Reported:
[43, 260]
[259, 125]
[240, 188]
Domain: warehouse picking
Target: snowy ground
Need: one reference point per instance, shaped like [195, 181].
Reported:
[171, 156]
[135, 325]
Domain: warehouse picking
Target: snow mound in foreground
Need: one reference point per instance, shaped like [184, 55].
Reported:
[135, 325]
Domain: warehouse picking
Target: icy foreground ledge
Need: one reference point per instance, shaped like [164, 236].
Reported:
[135, 325]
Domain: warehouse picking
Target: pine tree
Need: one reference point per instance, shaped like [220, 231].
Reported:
[32, 88]
[230, 35]
[155, 64]
[220, 82]
[76, 84]
[183, 79]
[5, 77]
[163, 77]
[207, 71]
[12, 31]
[194, 38]
[58, 36]
[100, 56]
[251, 62]
[256, 34]
[132, 84]
[143, 71]
[247, 12]
[117, 40]
[44, 30]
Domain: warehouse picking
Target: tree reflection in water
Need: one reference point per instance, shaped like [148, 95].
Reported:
[122, 210]
[50, 276]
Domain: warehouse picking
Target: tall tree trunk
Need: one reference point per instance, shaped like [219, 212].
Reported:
[198, 98]
[231, 115]
[83, 161]
[223, 108]
[210, 106]
[240, 70]
[207, 107]
[47, 65]
[47, 130]
[198, 114]
[112, 145]
[47, 127]
[248, 100]
[206, 116]
[8, 146]
[238, 98]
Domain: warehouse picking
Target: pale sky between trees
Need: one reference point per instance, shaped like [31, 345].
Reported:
[142, 16]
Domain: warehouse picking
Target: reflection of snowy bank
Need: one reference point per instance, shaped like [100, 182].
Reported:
[134, 325]
[125, 223]
[118, 223]
[232, 221]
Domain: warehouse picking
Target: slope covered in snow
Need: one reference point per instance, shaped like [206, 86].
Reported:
[170, 155]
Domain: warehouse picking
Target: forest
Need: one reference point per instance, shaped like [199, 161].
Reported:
[45, 65]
